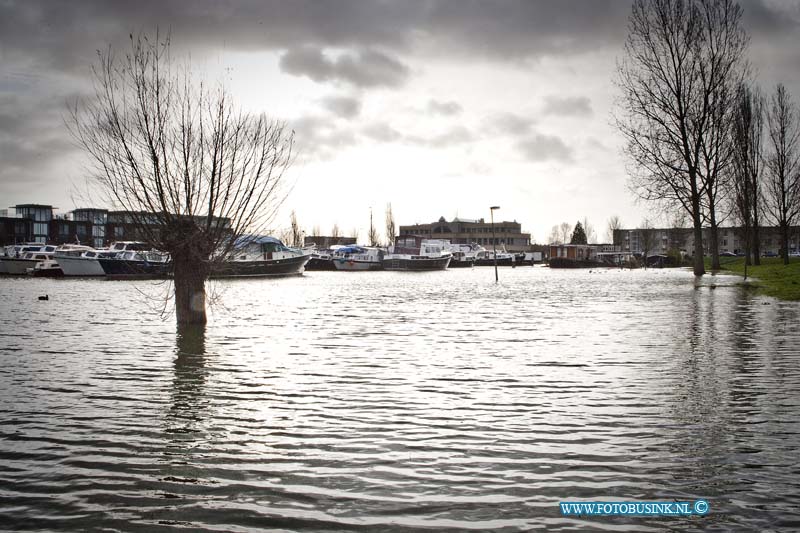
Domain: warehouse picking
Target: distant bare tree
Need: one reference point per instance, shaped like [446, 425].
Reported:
[614, 224]
[682, 58]
[372, 234]
[391, 229]
[591, 234]
[194, 172]
[747, 141]
[316, 231]
[297, 232]
[564, 232]
[555, 236]
[782, 186]
[354, 234]
[335, 232]
[647, 239]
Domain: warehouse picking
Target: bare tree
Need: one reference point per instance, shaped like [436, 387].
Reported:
[591, 234]
[782, 185]
[681, 59]
[564, 232]
[316, 231]
[354, 234]
[372, 234]
[614, 223]
[647, 239]
[555, 236]
[335, 233]
[194, 173]
[747, 136]
[297, 232]
[391, 229]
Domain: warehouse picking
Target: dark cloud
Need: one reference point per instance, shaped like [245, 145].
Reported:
[368, 68]
[343, 106]
[319, 138]
[540, 147]
[569, 106]
[444, 108]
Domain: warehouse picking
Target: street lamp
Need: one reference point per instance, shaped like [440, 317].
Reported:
[494, 241]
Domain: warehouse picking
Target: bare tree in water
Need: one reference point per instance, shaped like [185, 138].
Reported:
[683, 59]
[647, 239]
[782, 199]
[194, 172]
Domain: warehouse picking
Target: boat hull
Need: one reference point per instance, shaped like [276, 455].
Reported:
[416, 263]
[316, 263]
[347, 264]
[505, 261]
[462, 263]
[54, 272]
[80, 266]
[290, 266]
[18, 267]
[126, 269]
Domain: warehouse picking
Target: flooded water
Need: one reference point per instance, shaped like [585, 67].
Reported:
[390, 401]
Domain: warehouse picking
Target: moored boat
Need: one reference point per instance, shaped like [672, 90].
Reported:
[87, 263]
[19, 258]
[136, 265]
[261, 257]
[486, 258]
[358, 258]
[416, 254]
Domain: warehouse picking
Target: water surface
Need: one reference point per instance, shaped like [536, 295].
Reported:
[391, 401]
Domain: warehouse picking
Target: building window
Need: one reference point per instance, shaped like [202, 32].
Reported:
[119, 232]
[63, 229]
[80, 229]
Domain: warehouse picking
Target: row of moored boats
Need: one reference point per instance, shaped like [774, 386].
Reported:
[251, 257]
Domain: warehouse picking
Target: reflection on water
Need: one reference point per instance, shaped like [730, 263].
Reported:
[388, 401]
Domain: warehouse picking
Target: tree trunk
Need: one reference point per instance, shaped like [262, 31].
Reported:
[190, 292]
[756, 247]
[699, 266]
[785, 242]
[714, 244]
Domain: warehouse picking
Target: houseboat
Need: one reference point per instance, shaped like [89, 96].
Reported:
[255, 256]
[416, 253]
[358, 258]
[464, 255]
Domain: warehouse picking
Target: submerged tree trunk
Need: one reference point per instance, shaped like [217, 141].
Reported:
[190, 291]
[756, 246]
[699, 266]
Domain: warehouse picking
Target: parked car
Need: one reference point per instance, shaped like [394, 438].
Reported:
[770, 254]
[727, 254]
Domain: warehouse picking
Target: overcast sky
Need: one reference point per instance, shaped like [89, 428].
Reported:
[442, 108]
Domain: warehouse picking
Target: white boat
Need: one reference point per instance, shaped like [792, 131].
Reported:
[51, 267]
[464, 255]
[19, 258]
[416, 253]
[87, 262]
[358, 258]
[486, 258]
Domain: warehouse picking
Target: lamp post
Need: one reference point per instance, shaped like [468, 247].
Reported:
[494, 241]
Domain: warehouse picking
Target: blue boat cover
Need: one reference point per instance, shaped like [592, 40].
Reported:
[246, 240]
